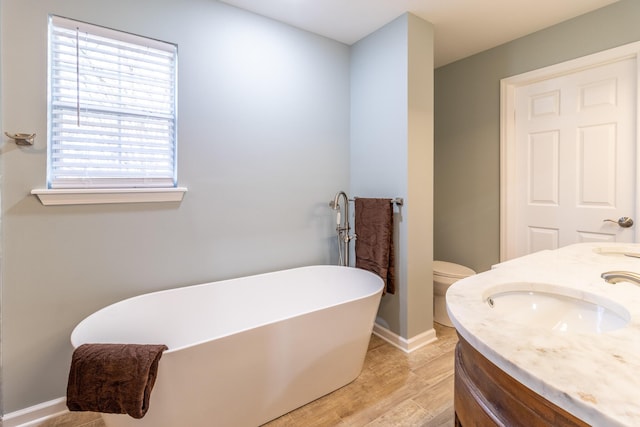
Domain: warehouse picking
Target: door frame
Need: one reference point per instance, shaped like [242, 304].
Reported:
[508, 87]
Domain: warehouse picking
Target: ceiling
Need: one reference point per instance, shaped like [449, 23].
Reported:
[462, 27]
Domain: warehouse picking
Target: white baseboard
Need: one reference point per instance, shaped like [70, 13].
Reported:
[406, 345]
[35, 415]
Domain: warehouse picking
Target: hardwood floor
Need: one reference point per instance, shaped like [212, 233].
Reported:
[394, 389]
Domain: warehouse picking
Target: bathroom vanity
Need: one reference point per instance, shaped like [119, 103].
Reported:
[544, 340]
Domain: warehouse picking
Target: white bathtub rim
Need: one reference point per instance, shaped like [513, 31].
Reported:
[173, 349]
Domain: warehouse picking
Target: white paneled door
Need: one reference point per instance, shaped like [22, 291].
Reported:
[574, 151]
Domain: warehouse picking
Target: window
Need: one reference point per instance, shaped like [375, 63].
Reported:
[112, 109]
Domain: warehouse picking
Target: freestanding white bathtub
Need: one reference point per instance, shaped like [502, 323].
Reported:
[245, 351]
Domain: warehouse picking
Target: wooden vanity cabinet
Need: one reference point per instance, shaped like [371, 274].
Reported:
[486, 396]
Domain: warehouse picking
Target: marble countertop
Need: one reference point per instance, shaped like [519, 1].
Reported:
[594, 376]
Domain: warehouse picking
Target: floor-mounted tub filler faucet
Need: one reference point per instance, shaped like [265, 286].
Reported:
[342, 225]
[621, 276]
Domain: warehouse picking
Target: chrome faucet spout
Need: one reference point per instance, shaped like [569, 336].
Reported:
[621, 276]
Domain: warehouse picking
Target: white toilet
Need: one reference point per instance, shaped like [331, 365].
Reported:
[445, 274]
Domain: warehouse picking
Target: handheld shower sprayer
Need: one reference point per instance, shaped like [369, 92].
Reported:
[336, 207]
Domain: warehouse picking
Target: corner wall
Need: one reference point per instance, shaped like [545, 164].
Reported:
[392, 156]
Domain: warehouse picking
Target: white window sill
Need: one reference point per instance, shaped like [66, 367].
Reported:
[49, 197]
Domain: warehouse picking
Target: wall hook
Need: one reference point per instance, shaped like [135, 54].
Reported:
[22, 138]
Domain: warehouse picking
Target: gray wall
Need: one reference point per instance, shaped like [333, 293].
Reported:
[392, 156]
[263, 146]
[467, 126]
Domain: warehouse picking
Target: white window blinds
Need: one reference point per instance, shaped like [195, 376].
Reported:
[112, 108]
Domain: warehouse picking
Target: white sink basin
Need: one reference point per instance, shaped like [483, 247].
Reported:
[555, 308]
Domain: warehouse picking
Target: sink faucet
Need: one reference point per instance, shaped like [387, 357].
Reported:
[621, 276]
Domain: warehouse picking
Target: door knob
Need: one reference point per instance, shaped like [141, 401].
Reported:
[624, 222]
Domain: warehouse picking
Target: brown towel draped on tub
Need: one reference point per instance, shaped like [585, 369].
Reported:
[113, 378]
[374, 242]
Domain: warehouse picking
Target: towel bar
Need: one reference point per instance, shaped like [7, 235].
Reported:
[399, 201]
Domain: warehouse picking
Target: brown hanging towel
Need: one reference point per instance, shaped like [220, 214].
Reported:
[374, 242]
[113, 378]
